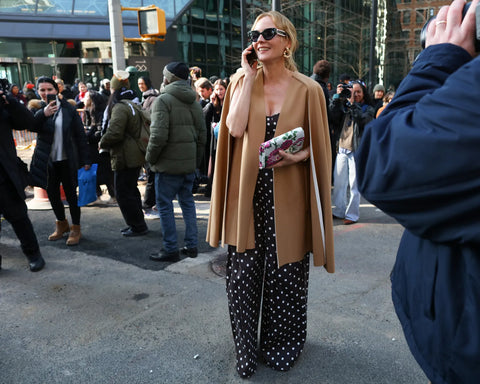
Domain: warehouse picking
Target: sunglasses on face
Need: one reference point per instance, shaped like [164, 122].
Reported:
[268, 34]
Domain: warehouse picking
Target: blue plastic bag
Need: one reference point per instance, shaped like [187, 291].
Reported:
[216, 129]
[87, 185]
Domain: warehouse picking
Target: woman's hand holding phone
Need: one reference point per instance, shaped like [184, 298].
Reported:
[252, 57]
[249, 60]
[51, 107]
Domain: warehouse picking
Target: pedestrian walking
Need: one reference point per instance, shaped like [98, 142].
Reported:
[14, 115]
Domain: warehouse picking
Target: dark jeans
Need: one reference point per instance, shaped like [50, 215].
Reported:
[60, 172]
[14, 209]
[129, 199]
[168, 187]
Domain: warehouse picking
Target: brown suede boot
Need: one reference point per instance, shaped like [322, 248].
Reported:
[61, 227]
[74, 236]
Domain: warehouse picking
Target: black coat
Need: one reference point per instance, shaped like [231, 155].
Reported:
[74, 143]
[12, 116]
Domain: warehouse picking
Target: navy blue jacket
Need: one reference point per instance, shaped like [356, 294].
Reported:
[418, 162]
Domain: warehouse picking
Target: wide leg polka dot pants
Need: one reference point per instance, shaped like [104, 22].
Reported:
[257, 288]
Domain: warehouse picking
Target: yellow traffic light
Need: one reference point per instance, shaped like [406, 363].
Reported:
[151, 22]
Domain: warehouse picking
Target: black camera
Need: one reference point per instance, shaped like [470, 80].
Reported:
[346, 91]
[423, 32]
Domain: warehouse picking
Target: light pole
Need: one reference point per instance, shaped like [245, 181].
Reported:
[116, 34]
[276, 5]
[373, 35]
[243, 17]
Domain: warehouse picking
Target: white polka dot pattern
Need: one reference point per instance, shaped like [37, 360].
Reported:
[254, 280]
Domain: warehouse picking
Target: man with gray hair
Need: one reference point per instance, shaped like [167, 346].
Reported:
[175, 149]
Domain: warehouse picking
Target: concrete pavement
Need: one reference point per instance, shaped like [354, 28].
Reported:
[103, 313]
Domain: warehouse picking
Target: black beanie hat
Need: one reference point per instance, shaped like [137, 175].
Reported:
[45, 79]
[178, 69]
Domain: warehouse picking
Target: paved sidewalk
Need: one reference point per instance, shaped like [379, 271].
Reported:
[93, 317]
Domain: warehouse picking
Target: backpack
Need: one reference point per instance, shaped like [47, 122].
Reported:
[142, 139]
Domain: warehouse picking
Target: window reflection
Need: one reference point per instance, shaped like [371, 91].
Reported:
[55, 7]
[17, 6]
[91, 8]
[86, 7]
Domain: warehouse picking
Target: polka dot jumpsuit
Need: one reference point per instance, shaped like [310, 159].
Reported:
[256, 288]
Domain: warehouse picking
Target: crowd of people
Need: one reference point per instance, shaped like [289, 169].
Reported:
[208, 131]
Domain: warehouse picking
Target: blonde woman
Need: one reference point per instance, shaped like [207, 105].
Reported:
[271, 219]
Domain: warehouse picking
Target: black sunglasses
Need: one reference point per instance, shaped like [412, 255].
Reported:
[268, 34]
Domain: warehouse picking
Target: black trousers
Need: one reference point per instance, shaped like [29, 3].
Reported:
[14, 209]
[150, 198]
[60, 173]
[257, 288]
[129, 199]
[105, 174]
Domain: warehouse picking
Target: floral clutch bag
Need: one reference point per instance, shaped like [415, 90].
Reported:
[291, 141]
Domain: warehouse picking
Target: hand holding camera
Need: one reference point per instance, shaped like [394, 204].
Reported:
[345, 91]
[457, 24]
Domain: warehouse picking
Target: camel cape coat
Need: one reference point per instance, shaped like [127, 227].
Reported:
[303, 215]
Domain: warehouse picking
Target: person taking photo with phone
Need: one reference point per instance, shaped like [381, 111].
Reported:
[60, 151]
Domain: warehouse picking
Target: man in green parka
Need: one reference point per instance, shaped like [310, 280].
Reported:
[175, 150]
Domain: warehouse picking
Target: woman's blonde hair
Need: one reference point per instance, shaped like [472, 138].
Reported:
[283, 23]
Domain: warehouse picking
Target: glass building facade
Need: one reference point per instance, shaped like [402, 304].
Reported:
[336, 30]
[71, 38]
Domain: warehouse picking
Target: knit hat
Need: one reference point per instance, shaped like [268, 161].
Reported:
[104, 81]
[30, 86]
[344, 77]
[176, 71]
[120, 80]
[45, 79]
[379, 87]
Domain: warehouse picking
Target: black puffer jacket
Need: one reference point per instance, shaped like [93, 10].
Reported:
[74, 141]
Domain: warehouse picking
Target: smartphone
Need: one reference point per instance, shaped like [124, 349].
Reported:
[51, 98]
[252, 57]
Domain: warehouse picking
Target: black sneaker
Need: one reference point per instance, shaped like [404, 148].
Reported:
[165, 256]
[37, 264]
[190, 252]
[131, 233]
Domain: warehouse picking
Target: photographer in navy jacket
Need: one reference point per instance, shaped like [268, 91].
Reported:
[418, 163]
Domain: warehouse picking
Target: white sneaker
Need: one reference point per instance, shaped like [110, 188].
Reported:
[111, 200]
[152, 216]
[96, 202]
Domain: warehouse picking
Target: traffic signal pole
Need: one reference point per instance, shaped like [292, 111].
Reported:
[116, 34]
[373, 41]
